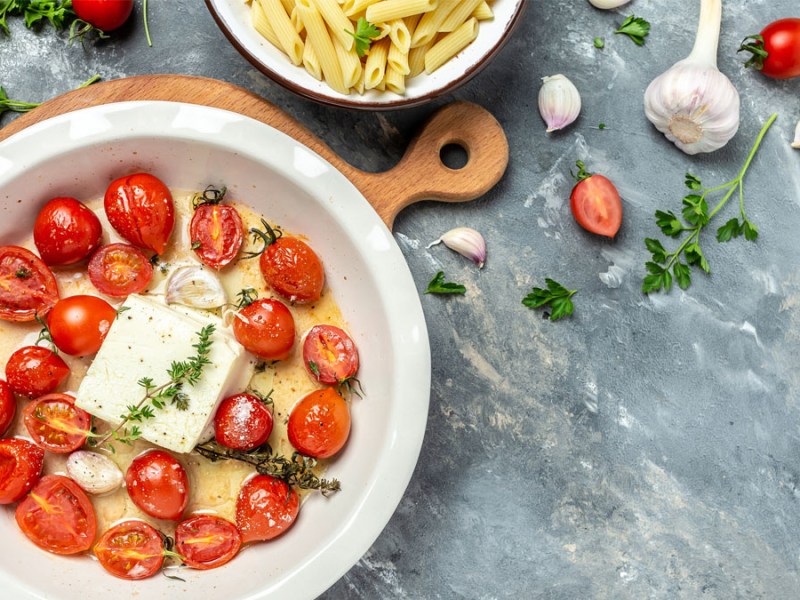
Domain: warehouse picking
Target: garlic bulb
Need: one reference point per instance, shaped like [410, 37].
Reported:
[195, 287]
[606, 4]
[467, 242]
[796, 142]
[95, 473]
[693, 104]
[559, 102]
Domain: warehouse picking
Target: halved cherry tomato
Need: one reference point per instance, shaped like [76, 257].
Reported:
[265, 328]
[79, 324]
[20, 467]
[131, 550]
[157, 483]
[27, 286]
[103, 14]
[596, 204]
[206, 541]
[119, 270]
[33, 371]
[242, 422]
[66, 232]
[265, 508]
[330, 355]
[56, 424]
[8, 406]
[319, 423]
[58, 516]
[141, 210]
[776, 50]
[216, 232]
[293, 270]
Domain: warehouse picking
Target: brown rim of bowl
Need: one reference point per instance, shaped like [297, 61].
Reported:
[471, 72]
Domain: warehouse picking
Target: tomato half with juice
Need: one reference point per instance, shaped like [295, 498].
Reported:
[56, 424]
[140, 208]
[157, 483]
[106, 15]
[266, 507]
[265, 328]
[319, 424]
[207, 541]
[216, 232]
[20, 467]
[33, 371]
[27, 286]
[8, 407]
[131, 550]
[119, 270]
[330, 355]
[776, 50]
[79, 324]
[242, 422]
[58, 516]
[66, 232]
[596, 204]
[293, 270]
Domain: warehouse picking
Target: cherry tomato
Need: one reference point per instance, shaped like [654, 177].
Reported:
[119, 270]
[293, 270]
[780, 41]
[216, 232]
[242, 422]
[330, 355]
[131, 550]
[66, 232]
[56, 424]
[79, 324]
[58, 516]
[33, 371]
[141, 210]
[596, 204]
[265, 508]
[103, 14]
[265, 328]
[158, 484]
[20, 467]
[27, 287]
[319, 424]
[8, 406]
[206, 541]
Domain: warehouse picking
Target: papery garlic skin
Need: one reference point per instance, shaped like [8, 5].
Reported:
[607, 4]
[796, 142]
[93, 472]
[195, 287]
[559, 102]
[467, 242]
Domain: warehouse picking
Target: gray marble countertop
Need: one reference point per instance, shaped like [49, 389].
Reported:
[648, 447]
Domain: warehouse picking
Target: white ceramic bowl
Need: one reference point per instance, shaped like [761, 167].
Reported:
[189, 146]
[233, 17]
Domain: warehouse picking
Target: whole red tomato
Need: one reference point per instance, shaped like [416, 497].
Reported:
[140, 208]
[157, 483]
[103, 14]
[266, 507]
[265, 328]
[20, 467]
[293, 270]
[66, 232]
[33, 371]
[596, 204]
[242, 422]
[28, 286]
[79, 324]
[319, 424]
[776, 50]
[8, 407]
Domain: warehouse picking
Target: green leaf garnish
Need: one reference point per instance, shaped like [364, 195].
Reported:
[635, 28]
[365, 32]
[556, 296]
[439, 286]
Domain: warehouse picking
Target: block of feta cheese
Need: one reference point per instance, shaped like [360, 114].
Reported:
[143, 342]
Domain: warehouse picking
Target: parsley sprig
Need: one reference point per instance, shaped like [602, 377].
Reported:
[665, 266]
[438, 285]
[363, 35]
[9, 105]
[556, 296]
[37, 12]
[635, 28]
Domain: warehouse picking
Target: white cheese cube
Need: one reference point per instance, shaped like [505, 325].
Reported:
[143, 342]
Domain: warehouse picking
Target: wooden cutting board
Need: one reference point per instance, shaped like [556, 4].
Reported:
[420, 174]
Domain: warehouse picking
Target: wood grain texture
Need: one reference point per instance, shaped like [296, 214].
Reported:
[420, 174]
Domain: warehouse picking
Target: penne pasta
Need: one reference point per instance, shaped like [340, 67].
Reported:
[416, 60]
[311, 62]
[450, 45]
[395, 82]
[375, 67]
[339, 25]
[349, 62]
[389, 10]
[261, 24]
[401, 36]
[288, 6]
[296, 21]
[429, 24]
[317, 35]
[354, 7]
[290, 41]
[483, 12]
[459, 15]
[397, 60]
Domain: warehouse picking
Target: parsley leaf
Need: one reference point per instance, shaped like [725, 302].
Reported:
[556, 295]
[365, 32]
[599, 43]
[439, 286]
[635, 28]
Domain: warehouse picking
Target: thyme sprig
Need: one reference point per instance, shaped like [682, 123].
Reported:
[269, 236]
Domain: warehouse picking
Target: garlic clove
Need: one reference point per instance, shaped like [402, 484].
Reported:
[607, 4]
[796, 142]
[196, 287]
[93, 472]
[467, 242]
[559, 102]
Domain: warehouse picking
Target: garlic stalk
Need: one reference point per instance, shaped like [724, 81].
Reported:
[607, 4]
[796, 142]
[467, 242]
[559, 102]
[693, 103]
[93, 472]
[195, 287]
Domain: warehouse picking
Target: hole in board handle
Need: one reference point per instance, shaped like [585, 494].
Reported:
[454, 156]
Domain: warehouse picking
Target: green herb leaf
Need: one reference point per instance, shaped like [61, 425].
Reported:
[635, 28]
[439, 286]
[312, 366]
[556, 296]
[363, 35]
[599, 43]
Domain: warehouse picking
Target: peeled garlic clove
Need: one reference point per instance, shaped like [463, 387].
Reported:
[606, 4]
[467, 242]
[95, 473]
[796, 142]
[195, 287]
[559, 102]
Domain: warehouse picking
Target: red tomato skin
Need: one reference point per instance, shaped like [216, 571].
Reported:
[266, 328]
[218, 232]
[66, 232]
[227, 541]
[118, 270]
[33, 371]
[20, 467]
[79, 324]
[135, 537]
[62, 489]
[140, 208]
[319, 424]
[107, 15]
[596, 206]
[8, 407]
[782, 43]
[266, 507]
[242, 422]
[29, 286]
[333, 353]
[293, 270]
[157, 483]
[40, 430]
